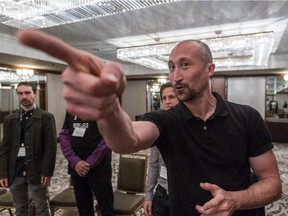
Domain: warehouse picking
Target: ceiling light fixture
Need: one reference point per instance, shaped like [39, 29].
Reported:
[229, 51]
[46, 13]
[9, 75]
[25, 74]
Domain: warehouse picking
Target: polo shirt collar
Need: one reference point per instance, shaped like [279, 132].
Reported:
[221, 108]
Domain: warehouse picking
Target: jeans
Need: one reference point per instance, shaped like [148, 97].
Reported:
[160, 203]
[98, 184]
[39, 193]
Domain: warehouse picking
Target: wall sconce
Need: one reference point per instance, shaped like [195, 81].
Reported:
[285, 77]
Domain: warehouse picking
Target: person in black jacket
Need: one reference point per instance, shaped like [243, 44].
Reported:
[28, 152]
[89, 160]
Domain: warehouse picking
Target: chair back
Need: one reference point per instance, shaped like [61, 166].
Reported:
[64, 200]
[132, 173]
[2, 190]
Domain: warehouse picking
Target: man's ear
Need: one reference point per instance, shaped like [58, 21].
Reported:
[211, 69]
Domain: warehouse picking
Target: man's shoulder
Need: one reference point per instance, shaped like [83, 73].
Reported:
[43, 112]
[240, 107]
[12, 115]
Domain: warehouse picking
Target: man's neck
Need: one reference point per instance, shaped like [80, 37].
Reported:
[28, 108]
[202, 108]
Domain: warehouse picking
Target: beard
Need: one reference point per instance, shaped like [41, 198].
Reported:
[186, 93]
[26, 103]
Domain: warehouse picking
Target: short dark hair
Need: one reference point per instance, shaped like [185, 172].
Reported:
[33, 85]
[164, 86]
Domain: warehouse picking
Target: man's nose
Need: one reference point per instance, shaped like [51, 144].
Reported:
[177, 75]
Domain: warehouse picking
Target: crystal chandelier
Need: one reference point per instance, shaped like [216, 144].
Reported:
[231, 51]
[46, 13]
[25, 74]
[8, 75]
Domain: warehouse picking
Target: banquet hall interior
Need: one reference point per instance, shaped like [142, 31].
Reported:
[248, 40]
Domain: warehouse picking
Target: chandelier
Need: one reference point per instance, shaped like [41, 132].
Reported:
[25, 74]
[230, 51]
[46, 13]
[16, 75]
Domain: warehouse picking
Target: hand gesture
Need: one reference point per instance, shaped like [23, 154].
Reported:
[92, 87]
[222, 203]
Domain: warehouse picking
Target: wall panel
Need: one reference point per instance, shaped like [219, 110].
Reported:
[248, 90]
[134, 98]
[55, 102]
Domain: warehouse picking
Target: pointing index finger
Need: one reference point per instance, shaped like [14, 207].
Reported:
[49, 44]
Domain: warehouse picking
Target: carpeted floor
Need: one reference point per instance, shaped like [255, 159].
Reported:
[279, 208]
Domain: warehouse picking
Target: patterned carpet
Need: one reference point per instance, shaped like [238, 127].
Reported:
[279, 208]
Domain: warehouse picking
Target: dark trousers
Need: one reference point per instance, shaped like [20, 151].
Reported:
[160, 203]
[98, 184]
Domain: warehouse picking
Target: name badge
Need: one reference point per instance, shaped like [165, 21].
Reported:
[163, 172]
[79, 132]
[21, 152]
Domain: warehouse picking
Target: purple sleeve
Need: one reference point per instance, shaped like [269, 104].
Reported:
[98, 154]
[68, 152]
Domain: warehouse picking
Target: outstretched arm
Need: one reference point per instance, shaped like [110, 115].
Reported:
[91, 90]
